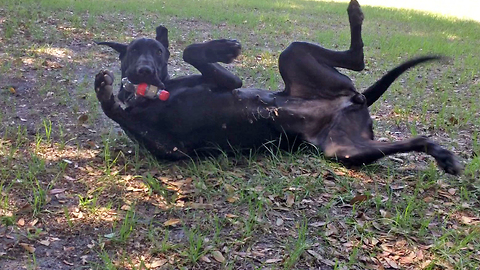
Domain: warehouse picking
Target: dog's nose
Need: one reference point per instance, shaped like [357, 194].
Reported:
[144, 70]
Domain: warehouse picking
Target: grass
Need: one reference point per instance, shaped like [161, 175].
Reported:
[70, 178]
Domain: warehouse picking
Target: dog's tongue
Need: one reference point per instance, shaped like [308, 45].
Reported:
[152, 91]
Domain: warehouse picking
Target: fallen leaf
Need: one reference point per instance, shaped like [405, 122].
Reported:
[12, 90]
[408, 259]
[359, 199]
[290, 199]
[68, 263]
[200, 205]
[82, 119]
[385, 214]
[125, 207]
[397, 187]
[57, 191]
[205, 259]
[331, 230]
[231, 216]
[452, 191]
[279, 222]
[84, 259]
[392, 263]
[318, 224]
[44, 242]
[314, 254]
[469, 220]
[172, 222]
[232, 199]
[33, 222]
[273, 260]
[229, 188]
[21, 222]
[218, 256]
[158, 263]
[110, 235]
[428, 199]
[28, 247]
[68, 249]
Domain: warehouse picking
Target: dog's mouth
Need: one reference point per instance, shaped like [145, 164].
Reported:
[152, 80]
[145, 90]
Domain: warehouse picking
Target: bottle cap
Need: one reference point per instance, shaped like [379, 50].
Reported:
[164, 95]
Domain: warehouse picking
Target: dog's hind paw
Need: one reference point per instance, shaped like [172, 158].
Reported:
[223, 50]
[103, 85]
[355, 14]
[448, 162]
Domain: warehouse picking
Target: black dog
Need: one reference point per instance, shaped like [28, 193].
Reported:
[208, 112]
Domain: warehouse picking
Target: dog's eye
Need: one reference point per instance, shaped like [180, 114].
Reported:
[159, 52]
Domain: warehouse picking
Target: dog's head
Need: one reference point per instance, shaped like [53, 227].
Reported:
[144, 60]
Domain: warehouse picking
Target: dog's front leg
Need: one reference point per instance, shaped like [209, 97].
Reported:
[104, 89]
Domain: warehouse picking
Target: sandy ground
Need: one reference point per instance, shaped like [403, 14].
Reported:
[463, 9]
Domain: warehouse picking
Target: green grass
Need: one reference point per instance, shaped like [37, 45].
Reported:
[102, 196]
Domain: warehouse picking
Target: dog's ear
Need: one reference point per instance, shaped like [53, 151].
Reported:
[119, 47]
[162, 35]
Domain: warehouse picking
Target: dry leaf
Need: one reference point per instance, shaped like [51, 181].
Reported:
[12, 90]
[84, 259]
[57, 191]
[231, 216]
[27, 247]
[205, 259]
[279, 222]
[408, 259]
[33, 222]
[229, 188]
[232, 199]
[68, 249]
[44, 242]
[392, 263]
[158, 263]
[317, 224]
[200, 205]
[68, 263]
[273, 260]
[359, 199]
[290, 199]
[68, 178]
[428, 199]
[172, 222]
[82, 119]
[331, 230]
[314, 254]
[452, 191]
[21, 222]
[125, 207]
[218, 256]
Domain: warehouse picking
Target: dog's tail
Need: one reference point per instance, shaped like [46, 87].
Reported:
[374, 92]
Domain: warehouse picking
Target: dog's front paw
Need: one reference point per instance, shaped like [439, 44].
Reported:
[223, 50]
[103, 85]
[355, 14]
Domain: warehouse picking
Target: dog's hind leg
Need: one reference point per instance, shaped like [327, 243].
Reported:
[309, 69]
[204, 57]
[367, 151]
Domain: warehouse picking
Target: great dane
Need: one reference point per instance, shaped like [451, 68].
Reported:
[211, 111]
